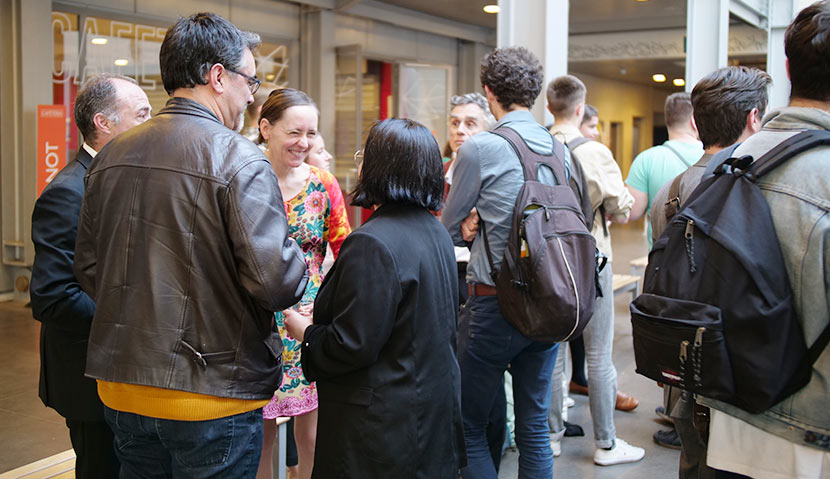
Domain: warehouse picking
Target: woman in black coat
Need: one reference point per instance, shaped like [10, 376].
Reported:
[382, 346]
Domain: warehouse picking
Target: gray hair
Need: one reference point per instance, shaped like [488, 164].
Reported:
[98, 94]
[476, 99]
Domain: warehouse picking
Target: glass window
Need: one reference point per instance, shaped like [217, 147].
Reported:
[129, 49]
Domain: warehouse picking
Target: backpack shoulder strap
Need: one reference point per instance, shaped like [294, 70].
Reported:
[673, 205]
[531, 160]
[577, 142]
[678, 155]
[788, 148]
[580, 187]
[785, 150]
[578, 183]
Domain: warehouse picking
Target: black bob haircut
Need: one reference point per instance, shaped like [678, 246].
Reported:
[401, 165]
[196, 43]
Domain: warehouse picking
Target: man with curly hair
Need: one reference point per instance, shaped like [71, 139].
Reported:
[487, 177]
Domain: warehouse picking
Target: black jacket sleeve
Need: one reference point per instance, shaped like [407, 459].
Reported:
[361, 323]
[57, 298]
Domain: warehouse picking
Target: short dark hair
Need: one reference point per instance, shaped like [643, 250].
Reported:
[280, 100]
[98, 94]
[196, 43]
[722, 100]
[402, 165]
[514, 75]
[807, 45]
[564, 94]
[590, 112]
[678, 109]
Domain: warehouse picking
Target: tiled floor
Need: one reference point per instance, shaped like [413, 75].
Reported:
[29, 431]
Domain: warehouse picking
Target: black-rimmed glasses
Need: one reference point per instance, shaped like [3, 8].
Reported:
[253, 82]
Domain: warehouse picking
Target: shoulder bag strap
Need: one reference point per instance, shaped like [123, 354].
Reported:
[678, 155]
[674, 198]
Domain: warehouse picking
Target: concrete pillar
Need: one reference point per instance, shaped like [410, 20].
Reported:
[469, 66]
[707, 38]
[26, 81]
[541, 26]
[317, 65]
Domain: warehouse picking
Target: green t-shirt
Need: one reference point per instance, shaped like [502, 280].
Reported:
[658, 165]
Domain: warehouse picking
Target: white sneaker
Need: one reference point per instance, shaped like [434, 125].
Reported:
[622, 453]
[569, 402]
[557, 448]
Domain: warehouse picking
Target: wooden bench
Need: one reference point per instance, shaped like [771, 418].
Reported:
[638, 265]
[627, 283]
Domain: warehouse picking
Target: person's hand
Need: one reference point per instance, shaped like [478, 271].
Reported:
[469, 227]
[296, 323]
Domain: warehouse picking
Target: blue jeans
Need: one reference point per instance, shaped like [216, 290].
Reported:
[487, 344]
[602, 376]
[151, 448]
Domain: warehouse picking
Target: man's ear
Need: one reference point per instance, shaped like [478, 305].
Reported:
[753, 121]
[579, 111]
[488, 93]
[217, 75]
[102, 123]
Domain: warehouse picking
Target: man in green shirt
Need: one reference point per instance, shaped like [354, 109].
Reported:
[660, 164]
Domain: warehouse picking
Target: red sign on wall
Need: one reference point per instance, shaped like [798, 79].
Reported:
[51, 143]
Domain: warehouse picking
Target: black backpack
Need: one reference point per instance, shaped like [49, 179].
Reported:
[548, 279]
[716, 316]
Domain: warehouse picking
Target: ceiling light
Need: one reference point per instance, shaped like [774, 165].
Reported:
[658, 77]
[492, 9]
[679, 82]
[121, 62]
[99, 41]
[642, 0]
[269, 77]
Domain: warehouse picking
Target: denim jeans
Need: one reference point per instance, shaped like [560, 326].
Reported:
[151, 448]
[487, 343]
[598, 336]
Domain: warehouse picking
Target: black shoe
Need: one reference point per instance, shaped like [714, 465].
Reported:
[668, 438]
[573, 430]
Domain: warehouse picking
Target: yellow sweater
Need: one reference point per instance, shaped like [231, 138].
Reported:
[172, 404]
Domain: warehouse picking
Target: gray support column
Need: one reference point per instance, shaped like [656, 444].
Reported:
[317, 65]
[469, 66]
[707, 38]
[25, 83]
[541, 26]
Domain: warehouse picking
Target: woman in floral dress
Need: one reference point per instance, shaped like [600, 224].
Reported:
[316, 220]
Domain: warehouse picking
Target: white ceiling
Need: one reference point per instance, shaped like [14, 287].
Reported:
[592, 16]
[586, 16]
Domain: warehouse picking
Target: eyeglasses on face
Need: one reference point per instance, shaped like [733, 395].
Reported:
[253, 82]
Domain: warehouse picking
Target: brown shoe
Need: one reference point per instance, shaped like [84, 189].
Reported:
[578, 389]
[626, 402]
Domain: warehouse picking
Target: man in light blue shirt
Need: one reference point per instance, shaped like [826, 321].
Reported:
[488, 176]
[660, 164]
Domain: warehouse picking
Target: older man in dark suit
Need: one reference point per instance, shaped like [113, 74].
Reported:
[106, 106]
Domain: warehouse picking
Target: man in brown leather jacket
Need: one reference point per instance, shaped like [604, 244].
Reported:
[182, 243]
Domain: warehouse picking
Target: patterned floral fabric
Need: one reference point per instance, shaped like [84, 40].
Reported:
[316, 219]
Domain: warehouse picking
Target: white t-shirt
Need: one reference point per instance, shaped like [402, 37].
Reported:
[737, 446]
